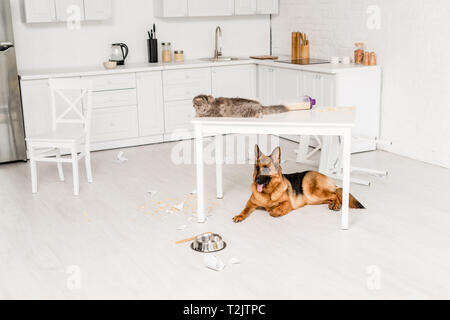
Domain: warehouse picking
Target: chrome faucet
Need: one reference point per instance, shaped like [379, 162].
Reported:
[217, 52]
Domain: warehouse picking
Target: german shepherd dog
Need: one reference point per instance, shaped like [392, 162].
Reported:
[280, 194]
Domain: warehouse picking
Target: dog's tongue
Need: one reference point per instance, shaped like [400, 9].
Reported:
[260, 188]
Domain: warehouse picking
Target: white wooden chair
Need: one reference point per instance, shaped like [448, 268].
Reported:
[70, 131]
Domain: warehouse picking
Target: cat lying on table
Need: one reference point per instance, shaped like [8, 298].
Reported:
[208, 106]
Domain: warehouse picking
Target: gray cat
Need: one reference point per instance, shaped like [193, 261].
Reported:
[208, 106]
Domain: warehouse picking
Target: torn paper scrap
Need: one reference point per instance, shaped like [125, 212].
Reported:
[121, 158]
[181, 228]
[152, 193]
[169, 211]
[193, 192]
[234, 261]
[213, 263]
[180, 206]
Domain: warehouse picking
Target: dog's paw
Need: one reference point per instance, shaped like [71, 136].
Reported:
[238, 218]
[334, 207]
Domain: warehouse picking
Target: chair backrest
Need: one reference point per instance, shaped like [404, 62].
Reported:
[82, 115]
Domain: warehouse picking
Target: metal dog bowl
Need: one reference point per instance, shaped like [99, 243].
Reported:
[208, 243]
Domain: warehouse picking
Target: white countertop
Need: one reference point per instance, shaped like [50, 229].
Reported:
[144, 67]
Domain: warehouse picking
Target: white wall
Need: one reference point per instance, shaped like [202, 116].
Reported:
[413, 49]
[55, 46]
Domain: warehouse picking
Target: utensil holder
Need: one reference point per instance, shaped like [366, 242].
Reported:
[304, 51]
[152, 45]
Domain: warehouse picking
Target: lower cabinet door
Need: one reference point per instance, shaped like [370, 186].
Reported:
[150, 103]
[179, 115]
[114, 124]
[234, 82]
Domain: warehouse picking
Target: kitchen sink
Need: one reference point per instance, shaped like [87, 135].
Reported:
[220, 59]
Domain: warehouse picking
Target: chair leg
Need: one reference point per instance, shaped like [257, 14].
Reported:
[76, 181]
[88, 167]
[33, 167]
[60, 165]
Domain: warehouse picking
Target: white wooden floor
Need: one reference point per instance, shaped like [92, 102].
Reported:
[125, 248]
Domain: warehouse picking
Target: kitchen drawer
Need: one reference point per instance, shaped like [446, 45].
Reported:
[117, 98]
[114, 82]
[179, 115]
[186, 84]
[114, 124]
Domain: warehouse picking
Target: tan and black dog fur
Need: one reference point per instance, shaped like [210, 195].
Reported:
[280, 194]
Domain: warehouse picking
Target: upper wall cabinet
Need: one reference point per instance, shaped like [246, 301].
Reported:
[211, 8]
[63, 10]
[97, 9]
[69, 10]
[171, 8]
[208, 8]
[268, 7]
[245, 7]
[40, 11]
[248, 7]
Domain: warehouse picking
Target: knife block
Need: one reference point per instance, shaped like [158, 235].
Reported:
[152, 45]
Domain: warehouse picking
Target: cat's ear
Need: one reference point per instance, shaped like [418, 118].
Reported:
[276, 157]
[258, 153]
[211, 99]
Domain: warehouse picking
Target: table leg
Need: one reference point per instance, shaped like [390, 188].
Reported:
[200, 175]
[346, 178]
[219, 165]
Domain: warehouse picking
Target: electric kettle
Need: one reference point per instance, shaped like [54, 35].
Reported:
[119, 52]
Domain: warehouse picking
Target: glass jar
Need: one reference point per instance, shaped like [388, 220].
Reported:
[179, 55]
[166, 52]
[359, 52]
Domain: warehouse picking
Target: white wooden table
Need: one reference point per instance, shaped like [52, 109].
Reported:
[321, 122]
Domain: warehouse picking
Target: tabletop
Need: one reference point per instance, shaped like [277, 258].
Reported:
[318, 117]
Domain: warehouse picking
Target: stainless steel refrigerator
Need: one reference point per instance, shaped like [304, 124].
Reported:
[12, 137]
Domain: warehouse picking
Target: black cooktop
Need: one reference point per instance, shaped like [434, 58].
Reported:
[304, 61]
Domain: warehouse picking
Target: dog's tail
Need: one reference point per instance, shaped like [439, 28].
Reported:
[275, 109]
[354, 203]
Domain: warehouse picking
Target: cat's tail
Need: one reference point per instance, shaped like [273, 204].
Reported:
[275, 109]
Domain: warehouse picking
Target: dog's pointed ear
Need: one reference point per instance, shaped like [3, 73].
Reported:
[258, 153]
[276, 156]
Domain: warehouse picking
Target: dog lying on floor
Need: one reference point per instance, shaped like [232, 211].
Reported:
[280, 194]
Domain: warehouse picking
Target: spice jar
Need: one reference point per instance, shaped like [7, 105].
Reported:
[166, 52]
[366, 58]
[179, 55]
[359, 52]
[373, 59]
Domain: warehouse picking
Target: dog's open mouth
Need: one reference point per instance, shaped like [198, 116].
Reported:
[260, 188]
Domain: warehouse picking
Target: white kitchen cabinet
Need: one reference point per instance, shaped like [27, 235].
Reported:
[37, 109]
[178, 117]
[114, 124]
[37, 11]
[150, 103]
[359, 88]
[245, 7]
[208, 8]
[97, 9]
[234, 81]
[267, 6]
[186, 84]
[170, 8]
[278, 86]
[69, 10]
[320, 87]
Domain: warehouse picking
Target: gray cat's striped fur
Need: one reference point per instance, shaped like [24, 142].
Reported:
[208, 106]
